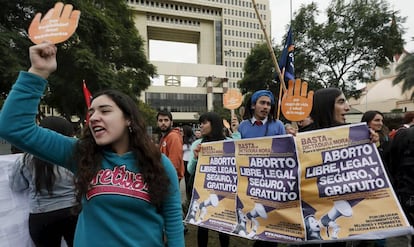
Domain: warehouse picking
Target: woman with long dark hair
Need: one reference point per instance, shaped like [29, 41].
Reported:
[51, 190]
[128, 191]
[375, 121]
[329, 109]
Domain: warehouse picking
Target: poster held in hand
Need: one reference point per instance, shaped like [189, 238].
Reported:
[58, 25]
[297, 101]
[232, 100]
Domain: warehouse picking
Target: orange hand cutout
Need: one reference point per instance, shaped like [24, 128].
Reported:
[57, 25]
[232, 99]
[297, 101]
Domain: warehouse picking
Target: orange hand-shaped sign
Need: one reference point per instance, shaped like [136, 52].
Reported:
[297, 101]
[57, 25]
[232, 99]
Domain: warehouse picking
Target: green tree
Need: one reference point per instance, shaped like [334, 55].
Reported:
[258, 70]
[106, 51]
[13, 44]
[148, 113]
[223, 112]
[405, 74]
[342, 52]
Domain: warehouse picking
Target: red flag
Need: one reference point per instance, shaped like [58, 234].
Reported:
[88, 98]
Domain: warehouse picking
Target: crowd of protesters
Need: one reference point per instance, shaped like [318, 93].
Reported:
[115, 144]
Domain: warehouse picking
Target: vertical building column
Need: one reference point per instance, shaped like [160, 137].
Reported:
[225, 83]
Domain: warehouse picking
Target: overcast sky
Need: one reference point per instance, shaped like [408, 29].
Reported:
[281, 16]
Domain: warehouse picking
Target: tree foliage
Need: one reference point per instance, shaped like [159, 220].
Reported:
[221, 111]
[106, 51]
[343, 51]
[406, 74]
[259, 71]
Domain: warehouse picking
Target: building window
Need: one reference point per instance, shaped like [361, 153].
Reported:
[177, 102]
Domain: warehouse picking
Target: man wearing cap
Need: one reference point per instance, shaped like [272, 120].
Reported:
[260, 118]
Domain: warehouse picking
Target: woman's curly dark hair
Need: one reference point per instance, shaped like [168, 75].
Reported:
[89, 155]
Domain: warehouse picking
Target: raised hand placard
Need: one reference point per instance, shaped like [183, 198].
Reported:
[297, 101]
[59, 23]
[232, 99]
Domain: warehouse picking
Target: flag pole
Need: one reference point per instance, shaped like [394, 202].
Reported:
[280, 96]
[87, 95]
[269, 46]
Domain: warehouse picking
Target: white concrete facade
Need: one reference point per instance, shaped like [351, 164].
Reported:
[382, 95]
[224, 32]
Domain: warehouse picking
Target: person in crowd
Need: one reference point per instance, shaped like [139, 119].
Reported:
[260, 119]
[211, 127]
[401, 167]
[375, 121]
[129, 191]
[290, 129]
[171, 142]
[303, 123]
[51, 190]
[197, 134]
[408, 119]
[331, 100]
[407, 122]
[329, 110]
[188, 138]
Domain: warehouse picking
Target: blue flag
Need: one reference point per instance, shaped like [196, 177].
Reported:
[287, 58]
